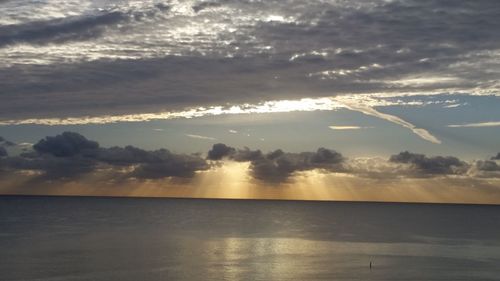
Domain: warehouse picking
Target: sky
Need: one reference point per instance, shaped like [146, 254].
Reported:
[375, 100]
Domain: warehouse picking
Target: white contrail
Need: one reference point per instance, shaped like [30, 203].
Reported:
[424, 134]
[477, 125]
[200, 137]
[348, 127]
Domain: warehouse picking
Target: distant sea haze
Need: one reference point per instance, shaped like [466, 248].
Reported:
[90, 238]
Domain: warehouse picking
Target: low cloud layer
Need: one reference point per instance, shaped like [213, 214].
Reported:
[70, 156]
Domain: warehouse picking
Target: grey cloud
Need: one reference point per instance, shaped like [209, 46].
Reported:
[153, 164]
[485, 169]
[245, 155]
[252, 55]
[278, 166]
[219, 151]
[59, 30]
[71, 154]
[52, 167]
[64, 145]
[431, 165]
[76, 28]
[182, 166]
[205, 5]
[3, 152]
[4, 142]
[487, 165]
[129, 155]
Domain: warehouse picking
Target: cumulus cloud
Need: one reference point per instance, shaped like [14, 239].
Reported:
[488, 165]
[219, 151]
[64, 145]
[279, 166]
[181, 166]
[70, 154]
[431, 165]
[49, 166]
[484, 169]
[152, 164]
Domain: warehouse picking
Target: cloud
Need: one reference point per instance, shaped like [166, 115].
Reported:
[422, 133]
[155, 61]
[151, 164]
[70, 154]
[273, 106]
[487, 165]
[477, 125]
[64, 145]
[72, 28]
[348, 127]
[431, 165]
[3, 152]
[59, 30]
[200, 137]
[4, 142]
[171, 165]
[455, 105]
[277, 166]
[205, 5]
[219, 151]
[49, 166]
[484, 169]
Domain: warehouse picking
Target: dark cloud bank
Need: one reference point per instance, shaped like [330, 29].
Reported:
[431, 165]
[70, 155]
[76, 28]
[250, 60]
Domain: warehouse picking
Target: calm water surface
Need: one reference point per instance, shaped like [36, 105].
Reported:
[65, 238]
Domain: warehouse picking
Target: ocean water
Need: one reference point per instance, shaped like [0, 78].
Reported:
[75, 238]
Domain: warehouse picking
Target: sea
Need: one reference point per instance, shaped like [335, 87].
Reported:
[141, 239]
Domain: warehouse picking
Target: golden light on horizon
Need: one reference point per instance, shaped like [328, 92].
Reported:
[233, 180]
